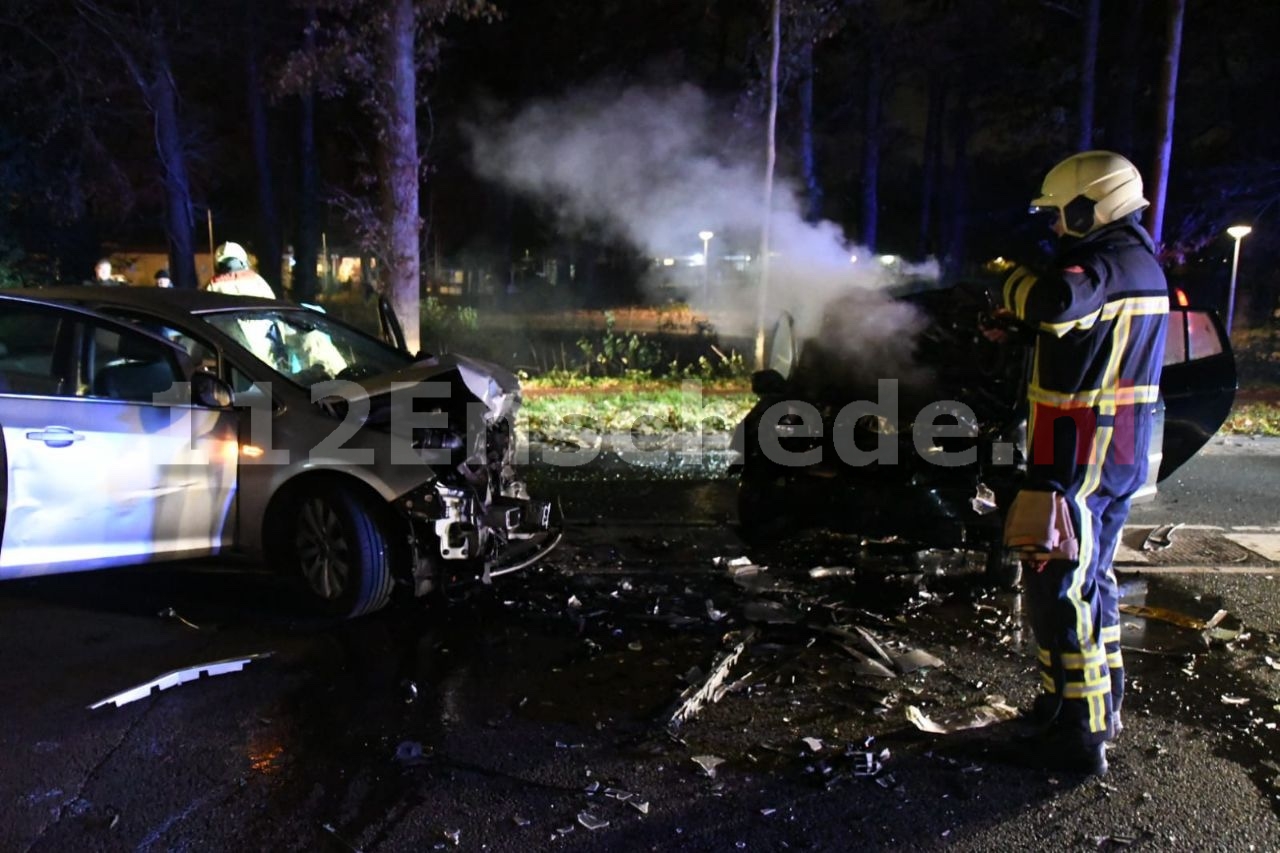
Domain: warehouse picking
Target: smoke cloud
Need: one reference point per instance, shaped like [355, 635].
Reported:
[653, 167]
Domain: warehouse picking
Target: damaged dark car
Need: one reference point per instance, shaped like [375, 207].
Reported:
[146, 425]
[921, 442]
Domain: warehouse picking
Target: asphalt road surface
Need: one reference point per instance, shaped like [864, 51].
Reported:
[550, 711]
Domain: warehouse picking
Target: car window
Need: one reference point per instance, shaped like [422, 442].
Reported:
[306, 347]
[28, 340]
[1175, 341]
[203, 354]
[1202, 336]
[122, 365]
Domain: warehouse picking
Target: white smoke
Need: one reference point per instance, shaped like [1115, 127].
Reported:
[654, 167]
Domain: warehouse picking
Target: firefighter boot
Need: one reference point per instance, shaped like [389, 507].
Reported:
[1061, 748]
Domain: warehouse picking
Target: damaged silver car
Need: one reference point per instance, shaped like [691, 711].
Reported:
[144, 425]
[928, 456]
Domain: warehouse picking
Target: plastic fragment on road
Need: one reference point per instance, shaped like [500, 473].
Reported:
[591, 822]
[831, 572]
[453, 836]
[170, 613]
[814, 744]
[521, 821]
[713, 614]
[737, 566]
[994, 710]
[1228, 699]
[1212, 629]
[984, 500]
[914, 660]
[708, 763]
[868, 762]
[1160, 538]
[641, 806]
[712, 687]
[177, 677]
[410, 753]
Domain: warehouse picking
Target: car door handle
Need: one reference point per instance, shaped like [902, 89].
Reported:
[56, 436]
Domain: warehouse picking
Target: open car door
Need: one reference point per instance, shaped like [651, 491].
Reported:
[391, 331]
[1198, 384]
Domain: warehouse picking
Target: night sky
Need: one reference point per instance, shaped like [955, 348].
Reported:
[629, 126]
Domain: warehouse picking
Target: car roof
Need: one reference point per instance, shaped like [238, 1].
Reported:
[159, 300]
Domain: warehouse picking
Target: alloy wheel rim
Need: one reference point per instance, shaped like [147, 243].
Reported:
[322, 549]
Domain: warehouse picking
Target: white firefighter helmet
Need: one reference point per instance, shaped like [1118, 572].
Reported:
[1091, 189]
[228, 253]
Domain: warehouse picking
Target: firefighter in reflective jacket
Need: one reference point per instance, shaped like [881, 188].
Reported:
[1099, 315]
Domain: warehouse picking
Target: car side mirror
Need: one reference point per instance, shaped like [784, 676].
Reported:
[210, 391]
[768, 383]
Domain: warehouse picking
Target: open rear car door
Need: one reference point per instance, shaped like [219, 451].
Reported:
[1198, 384]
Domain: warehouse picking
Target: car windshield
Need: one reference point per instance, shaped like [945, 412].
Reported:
[306, 347]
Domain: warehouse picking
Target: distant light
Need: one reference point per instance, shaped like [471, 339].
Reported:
[888, 260]
[1239, 232]
[1181, 296]
[698, 259]
[668, 262]
[853, 259]
[706, 235]
[252, 451]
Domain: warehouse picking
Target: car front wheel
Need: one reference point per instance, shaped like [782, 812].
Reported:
[341, 552]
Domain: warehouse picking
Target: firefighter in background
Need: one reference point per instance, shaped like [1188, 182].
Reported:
[232, 274]
[1098, 315]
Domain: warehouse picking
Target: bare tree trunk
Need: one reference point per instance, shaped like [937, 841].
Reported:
[144, 51]
[1168, 96]
[268, 241]
[770, 157]
[1089, 71]
[163, 99]
[871, 151]
[306, 246]
[932, 159]
[1120, 128]
[957, 224]
[808, 161]
[399, 166]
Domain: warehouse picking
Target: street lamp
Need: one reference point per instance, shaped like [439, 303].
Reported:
[705, 237]
[1238, 233]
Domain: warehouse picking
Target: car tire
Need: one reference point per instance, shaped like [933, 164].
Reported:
[1004, 568]
[341, 552]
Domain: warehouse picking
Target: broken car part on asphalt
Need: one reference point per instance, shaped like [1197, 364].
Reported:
[179, 676]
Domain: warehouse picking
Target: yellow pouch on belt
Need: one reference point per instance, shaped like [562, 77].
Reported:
[1038, 525]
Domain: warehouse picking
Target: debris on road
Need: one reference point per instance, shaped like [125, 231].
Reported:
[831, 572]
[1212, 629]
[178, 676]
[994, 710]
[1160, 538]
[410, 753]
[590, 822]
[708, 763]
[170, 613]
[712, 688]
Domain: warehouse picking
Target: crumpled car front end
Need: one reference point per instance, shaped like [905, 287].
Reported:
[468, 515]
